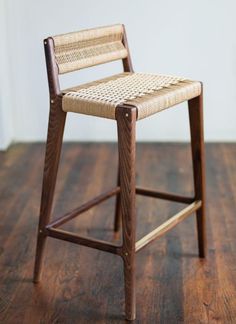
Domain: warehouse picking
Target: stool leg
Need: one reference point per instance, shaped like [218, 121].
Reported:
[126, 122]
[197, 143]
[117, 206]
[56, 124]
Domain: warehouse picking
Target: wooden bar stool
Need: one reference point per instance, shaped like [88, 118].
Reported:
[126, 98]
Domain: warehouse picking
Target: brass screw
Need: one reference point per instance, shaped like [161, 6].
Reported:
[127, 115]
[40, 231]
[126, 253]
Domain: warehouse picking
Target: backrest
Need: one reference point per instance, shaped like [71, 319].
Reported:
[77, 50]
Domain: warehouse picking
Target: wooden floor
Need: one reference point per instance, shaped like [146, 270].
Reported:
[81, 285]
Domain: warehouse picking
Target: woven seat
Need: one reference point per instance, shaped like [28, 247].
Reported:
[149, 93]
[125, 98]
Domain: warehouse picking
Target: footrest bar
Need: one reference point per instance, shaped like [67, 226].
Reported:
[166, 226]
[74, 238]
[164, 195]
[83, 208]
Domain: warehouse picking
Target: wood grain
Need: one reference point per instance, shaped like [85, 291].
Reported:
[167, 225]
[163, 195]
[81, 285]
[127, 62]
[127, 67]
[126, 124]
[195, 106]
[56, 125]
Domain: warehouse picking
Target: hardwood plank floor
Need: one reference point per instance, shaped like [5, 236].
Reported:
[81, 285]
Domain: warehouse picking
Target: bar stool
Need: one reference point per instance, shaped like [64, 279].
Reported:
[126, 98]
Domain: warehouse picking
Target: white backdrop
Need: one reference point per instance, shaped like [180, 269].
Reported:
[190, 38]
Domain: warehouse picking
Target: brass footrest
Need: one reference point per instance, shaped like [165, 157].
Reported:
[167, 225]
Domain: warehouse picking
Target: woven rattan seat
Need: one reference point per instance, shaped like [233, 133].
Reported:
[149, 93]
[125, 98]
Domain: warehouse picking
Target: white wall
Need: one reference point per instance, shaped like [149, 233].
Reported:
[6, 123]
[195, 39]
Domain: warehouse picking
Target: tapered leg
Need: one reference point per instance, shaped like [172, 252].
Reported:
[56, 124]
[197, 144]
[117, 206]
[126, 121]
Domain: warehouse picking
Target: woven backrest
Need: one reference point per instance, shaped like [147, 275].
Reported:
[74, 51]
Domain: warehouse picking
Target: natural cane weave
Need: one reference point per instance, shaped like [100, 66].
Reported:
[149, 93]
[90, 47]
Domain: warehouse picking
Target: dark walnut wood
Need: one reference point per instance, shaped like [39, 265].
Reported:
[56, 124]
[53, 149]
[127, 67]
[198, 157]
[126, 124]
[125, 190]
[84, 285]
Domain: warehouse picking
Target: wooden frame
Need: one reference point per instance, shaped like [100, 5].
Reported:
[125, 190]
